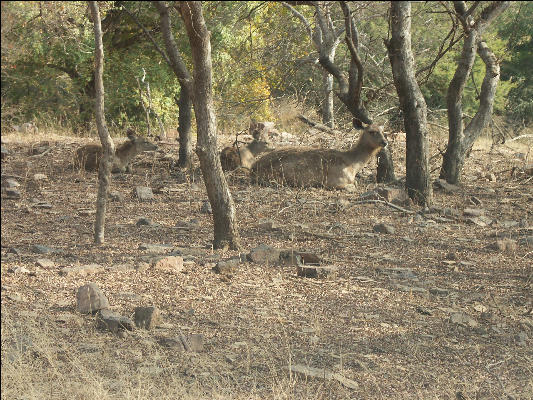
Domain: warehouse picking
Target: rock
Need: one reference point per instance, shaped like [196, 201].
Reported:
[90, 299]
[144, 193]
[475, 201]
[269, 224]
[144, 221]
[40, 249]
[19, 270]
[115, 196]
[508, 224]
[447, 187]
[39, 177]
[450, 212]
[264, 254]
[320, 373]
[384, 228]
[290, 258]
[43, 204]
[480, 221]
[14, 250]
[112, 321]
[463, 319]
[474, 212]
[305, 271]
[156, 248]
[526, 241]
[439, 292]
[227, 266]
[206, 208]
[10, 184]
[147, 317]
[4, 152]
[521, 338]
[410, 289]
[13, 194]
[504, 245]
[192, 342]
[44, 263]
[398, 273]
[169, 264]
[81, 270]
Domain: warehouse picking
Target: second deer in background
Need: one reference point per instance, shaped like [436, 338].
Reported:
[233, 157]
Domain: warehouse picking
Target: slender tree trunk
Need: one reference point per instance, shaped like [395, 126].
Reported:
[184, 127]
[108, 147]
[327, 108]
[225, 226]
[460, 140]
[412, 102]
[182, 73]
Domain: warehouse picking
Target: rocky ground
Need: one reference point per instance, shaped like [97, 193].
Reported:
[334, 295]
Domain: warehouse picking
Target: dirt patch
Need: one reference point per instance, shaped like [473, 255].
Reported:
[432, 310]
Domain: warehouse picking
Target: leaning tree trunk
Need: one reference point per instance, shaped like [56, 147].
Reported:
[108, 147]
[412, 102]
[460, 142]
[225, 229]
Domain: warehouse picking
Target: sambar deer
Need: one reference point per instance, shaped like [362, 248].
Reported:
[233, 157]
[329, 168]
[89, 156]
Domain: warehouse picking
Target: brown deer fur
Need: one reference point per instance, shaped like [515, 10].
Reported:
[333, 169]
[232, 158]
[89, 156]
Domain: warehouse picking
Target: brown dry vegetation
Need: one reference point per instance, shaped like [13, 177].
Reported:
[380, 332]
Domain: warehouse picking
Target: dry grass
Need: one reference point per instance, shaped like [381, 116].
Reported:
[263, 318]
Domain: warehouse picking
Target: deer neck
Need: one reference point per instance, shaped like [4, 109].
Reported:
[254, 147]
[361, 152]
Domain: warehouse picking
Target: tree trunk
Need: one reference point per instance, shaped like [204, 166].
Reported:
[184, 127]
[412, 102]
[327, 108]
[385, 172]
[108, 147]
[460, 142]
[182, 73]
[225, 226]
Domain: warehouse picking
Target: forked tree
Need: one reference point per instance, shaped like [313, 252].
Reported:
[199, 85]
[461, 138]
[108, 147]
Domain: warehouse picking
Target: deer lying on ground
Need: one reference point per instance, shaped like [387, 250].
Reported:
[232, 157]
[89, 156]
[332, 169]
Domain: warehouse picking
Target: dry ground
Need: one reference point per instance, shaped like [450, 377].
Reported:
[396, 338]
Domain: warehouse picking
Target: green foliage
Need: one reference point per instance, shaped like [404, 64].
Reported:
[516, 28]
[261, 53]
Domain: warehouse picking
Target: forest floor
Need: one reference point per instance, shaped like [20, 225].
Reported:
[433, 310]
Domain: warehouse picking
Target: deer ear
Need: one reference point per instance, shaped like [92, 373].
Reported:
[131, 134]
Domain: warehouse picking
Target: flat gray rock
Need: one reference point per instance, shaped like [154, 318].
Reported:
[144, 193]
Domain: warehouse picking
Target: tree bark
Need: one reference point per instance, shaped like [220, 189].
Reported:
[225, 226]
[174, 59]
[184, 103]
[412, 102]
[460, 141]
[108, 147]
